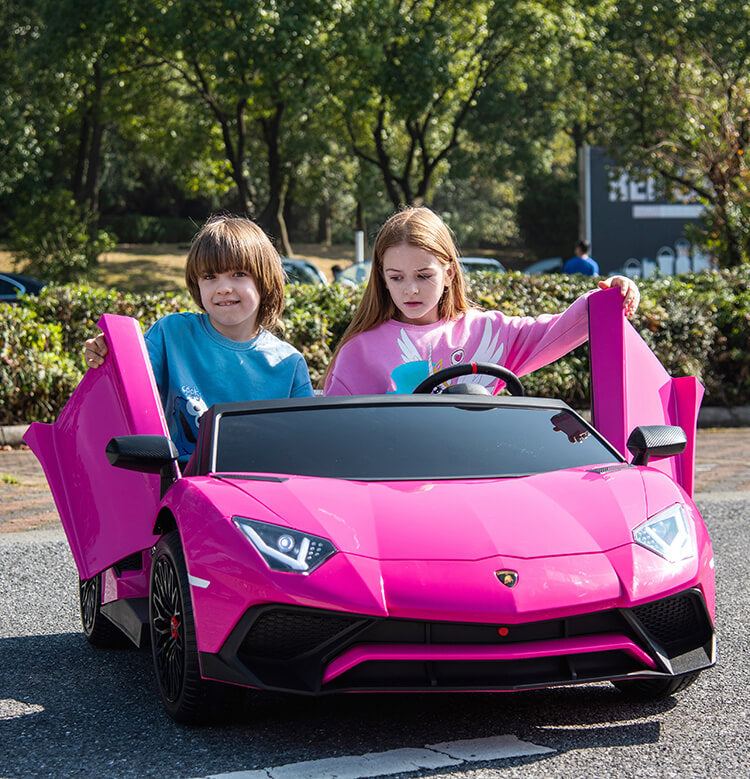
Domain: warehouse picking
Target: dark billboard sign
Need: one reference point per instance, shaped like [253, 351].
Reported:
[628, 218]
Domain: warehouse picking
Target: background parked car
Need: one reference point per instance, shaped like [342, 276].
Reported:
[299, 271]
[12, 285]
[359, 272]
[548, 265]
[476, 264]
[356, 273]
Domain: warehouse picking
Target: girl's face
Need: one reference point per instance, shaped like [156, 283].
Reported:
[231, 300]
[416, 281]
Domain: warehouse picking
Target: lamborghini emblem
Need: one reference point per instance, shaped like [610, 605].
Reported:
[508, 578]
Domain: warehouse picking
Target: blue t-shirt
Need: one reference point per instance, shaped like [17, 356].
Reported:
[584, 265]
[195, 366]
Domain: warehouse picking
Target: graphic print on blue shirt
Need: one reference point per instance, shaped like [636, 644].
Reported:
[188, 409]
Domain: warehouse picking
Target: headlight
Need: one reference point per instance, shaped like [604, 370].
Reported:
[668, 533]
[283, 549]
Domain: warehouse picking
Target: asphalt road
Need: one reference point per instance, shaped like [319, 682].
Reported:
[69, 710]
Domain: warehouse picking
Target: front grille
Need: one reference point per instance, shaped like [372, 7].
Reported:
[677, 624]
[289, 648]
[287, 634]
[282, 634]
[484, 674]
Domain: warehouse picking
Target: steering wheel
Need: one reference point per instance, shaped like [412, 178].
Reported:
[466, 368]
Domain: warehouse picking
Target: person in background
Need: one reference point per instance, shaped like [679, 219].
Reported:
[580, 262]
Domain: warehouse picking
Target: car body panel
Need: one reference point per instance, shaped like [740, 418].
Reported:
[547, 265]
[105, 516]
[481, 265]
[472, 554]
[301, 271]
[359, 272]
[508, 515]
[13, 285]
[356, 273]
[629, 387]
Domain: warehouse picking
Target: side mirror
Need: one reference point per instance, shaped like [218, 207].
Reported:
[145, 454]
[142, 453]
[648, 441]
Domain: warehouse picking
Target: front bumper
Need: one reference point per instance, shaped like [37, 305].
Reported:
[315, 651]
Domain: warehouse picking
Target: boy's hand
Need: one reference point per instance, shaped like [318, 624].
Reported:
[631, 296]
[95, 351]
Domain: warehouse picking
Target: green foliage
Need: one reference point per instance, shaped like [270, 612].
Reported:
[315, 319]
[697, 324]
[56, 238]
[77, 309]
[36, 375]
[678, 95]
[140, 228]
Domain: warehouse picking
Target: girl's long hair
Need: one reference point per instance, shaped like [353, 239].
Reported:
[424, 229]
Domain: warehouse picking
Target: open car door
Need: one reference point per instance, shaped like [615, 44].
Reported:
[630, 387]
[107, 513]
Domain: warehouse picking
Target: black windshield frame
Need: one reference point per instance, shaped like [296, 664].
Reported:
[218, 448]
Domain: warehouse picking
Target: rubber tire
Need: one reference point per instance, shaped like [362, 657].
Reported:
[656, 689]
[99, 631]
[187, 697]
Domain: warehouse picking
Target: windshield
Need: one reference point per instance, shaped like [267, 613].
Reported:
[397, 442]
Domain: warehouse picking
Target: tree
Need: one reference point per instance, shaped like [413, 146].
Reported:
[260, 70]
[410, 74]
[681, 104]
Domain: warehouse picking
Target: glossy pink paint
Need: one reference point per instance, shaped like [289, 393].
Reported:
[107, 513]
[414, 550]
[630, 387]
[466, 652]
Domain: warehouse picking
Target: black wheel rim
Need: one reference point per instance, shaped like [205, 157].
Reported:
[168, 631]
[89, 593]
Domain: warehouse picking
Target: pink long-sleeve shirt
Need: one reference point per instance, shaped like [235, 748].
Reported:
[365, 364]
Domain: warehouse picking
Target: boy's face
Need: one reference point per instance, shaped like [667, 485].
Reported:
[416, 281]
[231, 300]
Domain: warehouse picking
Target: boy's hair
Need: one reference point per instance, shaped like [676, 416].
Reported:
[583, 247]
[228, 243]
[424, 229]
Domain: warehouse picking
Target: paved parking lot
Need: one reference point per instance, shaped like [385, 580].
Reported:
[722, 466]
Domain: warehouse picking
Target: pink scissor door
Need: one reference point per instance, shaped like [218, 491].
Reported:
[107, 513]
[630, 387]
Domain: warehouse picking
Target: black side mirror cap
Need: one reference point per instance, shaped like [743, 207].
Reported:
[648, 441]
[142, 453]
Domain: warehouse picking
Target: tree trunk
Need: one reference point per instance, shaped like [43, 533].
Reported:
[281, 220]
[324, 221]
[79, 172]
[272, 217]
[361, 222]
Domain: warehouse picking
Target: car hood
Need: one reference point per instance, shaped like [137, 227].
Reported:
[576, 511]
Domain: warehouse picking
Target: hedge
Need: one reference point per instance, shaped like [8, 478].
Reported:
[698, 324]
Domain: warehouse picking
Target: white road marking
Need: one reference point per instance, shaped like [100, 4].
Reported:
[13, 709]
[492, 748]
[396, 761]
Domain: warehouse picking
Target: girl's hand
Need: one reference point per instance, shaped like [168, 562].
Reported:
[95, 351]
[631, 296]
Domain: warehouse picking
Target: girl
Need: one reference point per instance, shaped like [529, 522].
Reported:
[414, 317]
[226, 353]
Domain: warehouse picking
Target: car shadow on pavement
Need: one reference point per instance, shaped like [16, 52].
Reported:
[73, 705]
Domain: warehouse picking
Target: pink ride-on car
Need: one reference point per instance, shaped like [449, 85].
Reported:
[457, 541]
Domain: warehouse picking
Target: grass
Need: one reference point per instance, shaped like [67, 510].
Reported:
[141, 268]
